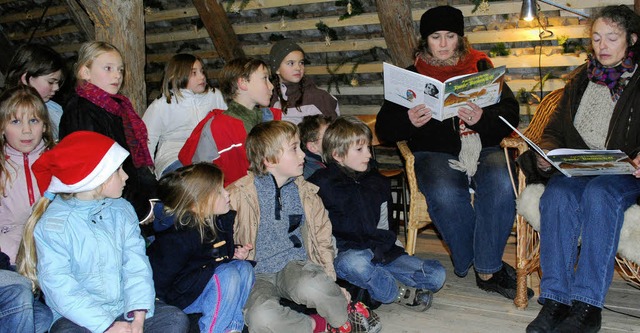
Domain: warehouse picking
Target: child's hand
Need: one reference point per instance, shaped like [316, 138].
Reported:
[138, 321]
[242, 252]
[119, 327]
[346, 294]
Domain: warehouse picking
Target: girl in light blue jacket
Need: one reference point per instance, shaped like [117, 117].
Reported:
[91, 262]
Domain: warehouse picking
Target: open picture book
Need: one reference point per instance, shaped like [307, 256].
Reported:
[583, 162]
[409, 89]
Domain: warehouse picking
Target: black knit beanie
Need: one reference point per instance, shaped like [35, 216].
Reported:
[441, 18]
[279, 51]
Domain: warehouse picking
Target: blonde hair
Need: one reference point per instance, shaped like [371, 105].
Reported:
[189, 193]
[177, 73]
[344, 132]
[27, 257]
[265, 143]
[20, 99]
[88, 52]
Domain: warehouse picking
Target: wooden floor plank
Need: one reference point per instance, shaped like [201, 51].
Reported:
[460, 306]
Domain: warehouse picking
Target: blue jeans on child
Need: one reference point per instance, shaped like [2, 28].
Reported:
[475, 234]
[224, 296]
[591, 208]
[356, 267]
[19, 310]
[166, 319]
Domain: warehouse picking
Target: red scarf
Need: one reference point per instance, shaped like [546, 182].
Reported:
[135, 130]
[467, 65]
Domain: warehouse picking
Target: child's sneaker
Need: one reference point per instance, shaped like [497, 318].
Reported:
[324, 327]
[415, 299]
[346, 328]
[363, 319]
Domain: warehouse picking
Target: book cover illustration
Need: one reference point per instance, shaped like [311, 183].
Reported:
[409, 89]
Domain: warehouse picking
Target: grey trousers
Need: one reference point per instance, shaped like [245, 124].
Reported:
[303, 283]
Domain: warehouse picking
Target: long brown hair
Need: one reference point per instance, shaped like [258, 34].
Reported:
[177, 73]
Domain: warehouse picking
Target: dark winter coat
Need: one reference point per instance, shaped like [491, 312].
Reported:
[354, 202]
[80, 114]
[183, 264]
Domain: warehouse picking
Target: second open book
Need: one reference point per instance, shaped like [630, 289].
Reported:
[583, 162]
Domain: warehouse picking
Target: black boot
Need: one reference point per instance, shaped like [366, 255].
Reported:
[584, 318]
[502, 282]
[551, 314]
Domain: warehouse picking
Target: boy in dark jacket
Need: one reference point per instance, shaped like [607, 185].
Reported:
[356, 196]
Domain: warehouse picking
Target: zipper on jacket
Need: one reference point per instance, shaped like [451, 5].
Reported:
[27, 171]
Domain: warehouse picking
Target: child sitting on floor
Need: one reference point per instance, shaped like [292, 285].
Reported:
[193, 266]
[357, 197]
[91, 260]
[283, 217]
[220, 136]
[311, 132]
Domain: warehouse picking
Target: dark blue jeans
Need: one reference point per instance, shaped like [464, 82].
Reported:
[591, 208]
[166, 319]
[19, 311]
[356, 267]
[475, 234]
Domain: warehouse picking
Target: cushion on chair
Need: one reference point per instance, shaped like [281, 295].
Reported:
[528, 204]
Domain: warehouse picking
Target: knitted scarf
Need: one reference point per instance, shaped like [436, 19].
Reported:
[470, 144]
[135, 130]
[611, 76]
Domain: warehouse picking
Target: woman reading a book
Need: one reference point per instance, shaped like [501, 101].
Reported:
[596, 111]
[458, 153]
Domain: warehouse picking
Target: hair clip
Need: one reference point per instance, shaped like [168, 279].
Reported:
[49, 195]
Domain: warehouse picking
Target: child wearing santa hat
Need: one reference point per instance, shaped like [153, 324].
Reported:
[91, 261]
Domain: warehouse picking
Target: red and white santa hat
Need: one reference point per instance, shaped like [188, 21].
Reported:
[81, 162]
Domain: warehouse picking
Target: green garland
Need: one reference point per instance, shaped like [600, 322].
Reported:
[322, 27]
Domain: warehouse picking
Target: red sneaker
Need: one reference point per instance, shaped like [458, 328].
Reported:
[363, 319]
[346, 328]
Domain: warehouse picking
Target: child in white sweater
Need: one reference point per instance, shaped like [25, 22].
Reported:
[186, 99]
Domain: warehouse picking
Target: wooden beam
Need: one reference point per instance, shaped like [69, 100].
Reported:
[121, 23]
[34, 14]
[399, 33]
[219, 27]
[81, 19]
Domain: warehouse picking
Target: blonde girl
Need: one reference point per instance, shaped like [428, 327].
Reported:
[194, 262]
[186, 99]
[84, 248]
[26, 134]
[294, 93]
[97, 106]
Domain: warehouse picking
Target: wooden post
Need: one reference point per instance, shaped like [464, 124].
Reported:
[399, 33]
[121, 23]
[636, 6]
[219, 27]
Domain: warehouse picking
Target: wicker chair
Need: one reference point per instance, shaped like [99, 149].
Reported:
[528, 239]
[418, 215]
